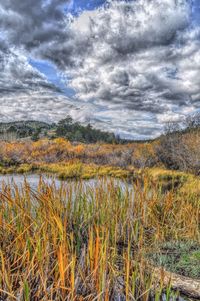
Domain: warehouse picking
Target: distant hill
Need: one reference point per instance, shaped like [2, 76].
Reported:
[66, 128]
[15, 130]
[29, 123]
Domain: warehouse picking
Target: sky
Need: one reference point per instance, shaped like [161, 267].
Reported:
[126, 66]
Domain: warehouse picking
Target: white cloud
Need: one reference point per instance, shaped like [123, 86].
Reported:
[142, 57]
[34, 106]
[133, 64]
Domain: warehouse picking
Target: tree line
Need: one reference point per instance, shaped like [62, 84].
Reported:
[66, 128]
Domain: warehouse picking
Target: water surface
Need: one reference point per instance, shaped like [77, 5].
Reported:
[33, 180]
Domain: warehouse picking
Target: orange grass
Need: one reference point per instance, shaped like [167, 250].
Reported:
[71, 243]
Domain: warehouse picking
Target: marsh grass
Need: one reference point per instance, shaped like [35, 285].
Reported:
[69, 170]
[72, 243]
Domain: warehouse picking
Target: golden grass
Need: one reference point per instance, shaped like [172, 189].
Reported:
[74, 169]
[73, 243]
[70, 170]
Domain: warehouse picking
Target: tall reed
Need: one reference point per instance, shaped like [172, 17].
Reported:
[87, 243]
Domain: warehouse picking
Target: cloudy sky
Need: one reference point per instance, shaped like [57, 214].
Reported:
[127, 66]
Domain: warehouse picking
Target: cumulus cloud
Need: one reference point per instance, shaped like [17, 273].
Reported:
[30, 23]
[143, 57]
[133, 64]
[25, 93]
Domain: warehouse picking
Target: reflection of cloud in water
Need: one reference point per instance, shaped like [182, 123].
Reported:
[76, 188]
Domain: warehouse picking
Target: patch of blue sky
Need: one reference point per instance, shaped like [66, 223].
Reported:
[196, 11]
[76, 6]
[52, 75]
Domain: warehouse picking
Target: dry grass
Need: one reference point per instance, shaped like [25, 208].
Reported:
[72, 243]
[70, 170]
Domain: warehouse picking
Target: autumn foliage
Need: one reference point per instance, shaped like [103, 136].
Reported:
[176, 151]
[61, 150]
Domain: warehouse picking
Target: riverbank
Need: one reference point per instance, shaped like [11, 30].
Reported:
[167, 179]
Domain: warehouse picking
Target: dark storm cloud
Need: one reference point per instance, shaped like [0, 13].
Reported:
[29, 23]
[41, 28]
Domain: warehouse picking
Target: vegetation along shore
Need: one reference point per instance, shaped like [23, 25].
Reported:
[139, 241]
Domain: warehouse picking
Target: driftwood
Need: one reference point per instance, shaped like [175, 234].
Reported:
[188, 286]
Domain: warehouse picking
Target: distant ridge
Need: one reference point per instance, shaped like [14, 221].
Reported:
[66, 128]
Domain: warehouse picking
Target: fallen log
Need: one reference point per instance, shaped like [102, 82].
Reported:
[185, 285]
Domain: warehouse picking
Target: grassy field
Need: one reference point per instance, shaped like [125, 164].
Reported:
[69, 243]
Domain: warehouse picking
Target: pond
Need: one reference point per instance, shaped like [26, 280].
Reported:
[33, 180]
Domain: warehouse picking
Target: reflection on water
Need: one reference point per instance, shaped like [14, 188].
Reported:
[34, 180]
